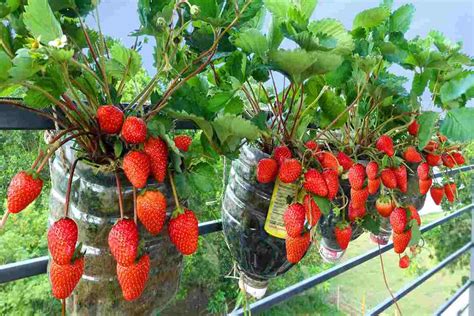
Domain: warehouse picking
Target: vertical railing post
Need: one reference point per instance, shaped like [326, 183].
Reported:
[471, 287]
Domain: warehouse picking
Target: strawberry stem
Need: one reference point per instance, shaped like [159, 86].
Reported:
[4, 219]
[119, 190]
[35, 163]
[386, 282]
[175, 195]
[69, 185]
[63, 307]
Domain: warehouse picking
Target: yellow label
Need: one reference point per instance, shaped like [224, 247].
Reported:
[274, 224]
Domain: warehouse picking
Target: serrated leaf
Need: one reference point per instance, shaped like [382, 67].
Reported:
[371, 17]
[335, 29]
[251, 41]
[371, 224]
[332, 106]
[458, 125]
[427, 121]
[420, 80]
[41, 22]
[203, 124]
[24, 66]
[124, 61]
[453, 89]
[400, 19]
[231, 126]
[275, 35]
[415, 233]
[279, 8]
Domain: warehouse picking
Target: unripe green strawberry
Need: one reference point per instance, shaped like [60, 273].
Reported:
[314, 183]
[281, 153]
[184, 232]
[398, 220]
[423, 171]
[401, 177]
[132, 278]
[64, 277]
[359, 197]
[404, 262]
[344, 160]
[294, 218]
[267, 170]
[296, 247]
[332, 182]
[413, 128]
[357, 176]
[24, 188]
[385, 144]
[290, 170]
[373, 186]
[157, 151]
[123, 241]
[389, 179]
[62, 238]
[372, 170]
[134, 130]
[424, 185]
[401, 241]
[110, 119]
[356, 213]
[312, 210]
[182, 142]
[384, 205]
[437, 194]
[136, 166]
[450, 191]
[151, 210]
[412, 155]
[343, 236]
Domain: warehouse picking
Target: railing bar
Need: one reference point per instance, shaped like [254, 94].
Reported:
[306, 284]
[210, 227]
[418, 281]
[451, 300]
[453, 171]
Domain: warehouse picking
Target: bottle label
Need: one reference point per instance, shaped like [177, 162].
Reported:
[274, 224]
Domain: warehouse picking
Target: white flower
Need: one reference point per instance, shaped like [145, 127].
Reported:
[59, 42]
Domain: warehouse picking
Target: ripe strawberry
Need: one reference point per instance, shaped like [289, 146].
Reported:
[64, 277]
[343, 236]
[267, 170]
[132, 278]
[356, 176]
[437, 194]
[314, 182]
[458, 158]
[389, 179]
[384, 205]
[450, 191]
[136, 165]
[413, 128]
[344, 160]
[373, 186]
[184, 232]
[62, 238]
[355, 213]
[448, 160]
[312, 145]
[404, 262]
[290, 170]
[431, 146]
[281, 153]
[424, 185]
[157, 150]
[372, 170]
[24, 188]
[359, 197]
[134, 130]
[423, 171]
[414, 214]
[296, 247]
[332, 182]
[313, 213]
[328, 161]
[433, 159]
[398, 220]
[123, 241]
[401, 241]
[402, 178]
[412, 155]
[442, 139]
[182, 142]
[151, 210]
[385, 144]
[294, 219]
[110, 119]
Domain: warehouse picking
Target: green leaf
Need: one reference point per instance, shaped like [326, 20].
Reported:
[118, 148]
[207, 8]
[400, 19]
[323, 204]
[279, 8]
[427, 121]
[124, 61]
[203, 124]
[371, 224]
[415, 233]
[24, 66]
[453, 89]
[229, 127]
[5, 65]
[252, 42]
[420, 80]
[275, 35]
[458, 125]
[371, 17]
[334, 29]
[41, 22]
[332, 106]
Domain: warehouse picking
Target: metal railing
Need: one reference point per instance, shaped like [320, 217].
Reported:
[13, 118]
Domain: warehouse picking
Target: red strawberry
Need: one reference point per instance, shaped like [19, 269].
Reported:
[423, 171]
[62, 238]
[136, 165]
[414, 214]
[384, 205]
[296, 247]
[134, 130]
[356, 176]
[359, 197]
[24, 188]
[64, 277]
[182, 142]
[373, 186]
[433, 160]
[294, 219]
[385, 144]
[312, 145]
[458, 158]
[132, 278]
[448, 160]
[110, 119]
[344, 160]
[151, 210]
[157, 150]
[402, 177]
[401, 241]
[398, 220]
[437, 194]
[314, 182]
[123, 241]
[343, 236]
[431, 146]
[290, 170]
[355, 213]
[412, 155]
[424, 185]
[389, 179]
[413, 128]
[313, 213]
[404, 262]
[184, 232]
[332, 182]
[450, 191]
[372, 170]
[267, 170]
[281, 153]
[328, 161]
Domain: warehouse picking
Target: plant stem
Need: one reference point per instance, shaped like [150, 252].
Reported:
[69, 185]
[40, 154]
[119, 191]
[386, 282]
[173, 188]
[134, 204]
[63, 307]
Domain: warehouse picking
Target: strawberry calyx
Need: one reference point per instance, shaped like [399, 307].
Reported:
[78, 253]
[178, 211]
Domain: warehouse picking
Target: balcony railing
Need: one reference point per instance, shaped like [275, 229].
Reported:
[12, 118]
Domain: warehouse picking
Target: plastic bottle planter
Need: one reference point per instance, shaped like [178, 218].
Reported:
[413, 195]
[383, 236]
[259, 256]
[94, 207]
